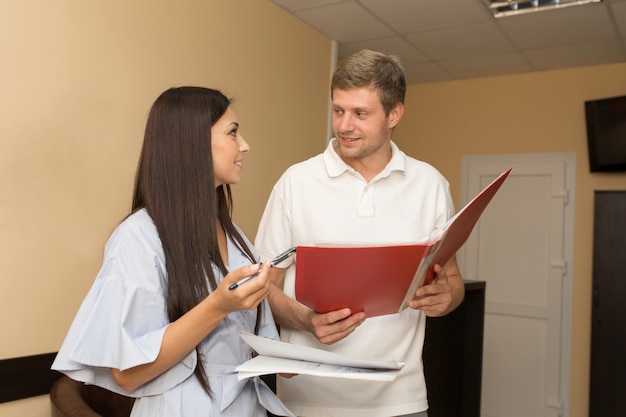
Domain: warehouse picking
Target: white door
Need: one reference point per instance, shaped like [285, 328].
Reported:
[522, 248]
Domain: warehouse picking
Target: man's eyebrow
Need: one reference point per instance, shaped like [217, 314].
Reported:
[354, 109]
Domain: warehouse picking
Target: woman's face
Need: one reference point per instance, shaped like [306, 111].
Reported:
[227, 147]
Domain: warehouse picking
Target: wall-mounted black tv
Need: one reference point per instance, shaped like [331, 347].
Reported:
[606, 134]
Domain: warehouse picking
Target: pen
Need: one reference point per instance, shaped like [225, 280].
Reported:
[280, 258]
[286, 254]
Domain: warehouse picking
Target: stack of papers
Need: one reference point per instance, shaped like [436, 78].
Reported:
[276, 357]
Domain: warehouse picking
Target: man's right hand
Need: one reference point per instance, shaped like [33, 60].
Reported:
[333, 326]
[328, 328]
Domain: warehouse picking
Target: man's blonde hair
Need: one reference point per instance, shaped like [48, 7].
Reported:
[373, 70]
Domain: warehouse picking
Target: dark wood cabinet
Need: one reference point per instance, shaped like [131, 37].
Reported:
[608, 324]
[453, 351]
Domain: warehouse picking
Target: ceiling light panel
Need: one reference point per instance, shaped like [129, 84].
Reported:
[503, 8]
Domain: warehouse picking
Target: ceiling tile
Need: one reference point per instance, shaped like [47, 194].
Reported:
[486, 66]
[345, 22]
[425, 73]
[596, 53]
[407, 16]
[565, 26]
[461, 42]
[393, 45]
[619, 13]
[292, 5]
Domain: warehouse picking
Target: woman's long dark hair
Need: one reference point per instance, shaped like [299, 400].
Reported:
[175, 184]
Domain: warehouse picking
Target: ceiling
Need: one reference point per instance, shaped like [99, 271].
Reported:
[443, 40]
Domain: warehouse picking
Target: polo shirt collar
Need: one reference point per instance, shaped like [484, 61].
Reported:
[335, 166]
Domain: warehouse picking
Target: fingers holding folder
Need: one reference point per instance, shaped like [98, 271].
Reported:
[443, 294]
[333, 326]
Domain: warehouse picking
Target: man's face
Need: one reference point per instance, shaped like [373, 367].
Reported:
[359, 123]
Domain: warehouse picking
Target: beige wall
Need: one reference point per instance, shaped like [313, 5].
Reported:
[76, 81]
[541, 112]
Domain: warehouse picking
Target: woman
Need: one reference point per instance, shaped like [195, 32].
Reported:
[159, 323]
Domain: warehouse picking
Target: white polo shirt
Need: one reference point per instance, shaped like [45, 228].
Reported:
[323, 200]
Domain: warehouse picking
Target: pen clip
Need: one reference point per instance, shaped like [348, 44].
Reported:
[283, 256]
[280, 258]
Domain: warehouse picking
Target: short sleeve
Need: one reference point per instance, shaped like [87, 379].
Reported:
[123, 318]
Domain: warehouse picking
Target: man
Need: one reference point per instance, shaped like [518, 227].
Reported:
[361, 190]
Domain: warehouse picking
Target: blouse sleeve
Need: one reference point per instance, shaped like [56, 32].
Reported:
[121, 323]
[119, 326]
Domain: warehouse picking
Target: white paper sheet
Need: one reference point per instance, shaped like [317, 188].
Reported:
[281, 357]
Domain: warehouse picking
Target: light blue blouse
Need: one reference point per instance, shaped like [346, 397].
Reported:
[121, 324]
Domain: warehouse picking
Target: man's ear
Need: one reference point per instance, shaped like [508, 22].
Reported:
[395, 115]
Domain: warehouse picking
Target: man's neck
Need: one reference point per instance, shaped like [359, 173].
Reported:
[372, 165]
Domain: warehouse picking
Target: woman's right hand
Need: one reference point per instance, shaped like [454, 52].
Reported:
[247, 295]
[182, 336]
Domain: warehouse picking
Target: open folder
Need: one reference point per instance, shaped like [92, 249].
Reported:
[382, 279]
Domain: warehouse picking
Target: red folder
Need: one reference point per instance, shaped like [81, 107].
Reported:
[382, 279]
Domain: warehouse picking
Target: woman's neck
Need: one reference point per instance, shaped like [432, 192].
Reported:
[222, 242]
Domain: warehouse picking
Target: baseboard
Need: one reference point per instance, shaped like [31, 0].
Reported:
[26, 377]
